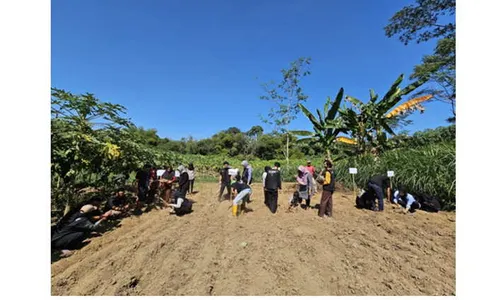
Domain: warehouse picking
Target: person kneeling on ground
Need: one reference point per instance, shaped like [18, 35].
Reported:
[243, 194]
[403, 198]
[376, 185]
[118, 204]
[75, 229]
[180, 205]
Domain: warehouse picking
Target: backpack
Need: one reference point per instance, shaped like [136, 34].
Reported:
[427, 202]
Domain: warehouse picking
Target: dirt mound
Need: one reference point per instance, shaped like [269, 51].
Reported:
[209, 252]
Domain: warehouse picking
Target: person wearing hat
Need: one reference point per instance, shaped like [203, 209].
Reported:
[73, 230]
[225, 180]
[311, 170]
[305, 186]
[247, 173]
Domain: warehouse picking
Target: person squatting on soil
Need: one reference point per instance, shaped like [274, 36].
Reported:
[326, 204]
[271, 186]
[191, 176]
[118, 204]
[376, 185]
[74, 229]
[305, 185]
[225, 180]
[243, 192]
[406, 200]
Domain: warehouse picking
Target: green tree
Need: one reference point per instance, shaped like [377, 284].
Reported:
[368, 123]
[327, 127]
[422, 22]
[286, 95]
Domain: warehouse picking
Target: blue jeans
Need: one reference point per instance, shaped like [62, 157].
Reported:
[242, 196]
[379, 194]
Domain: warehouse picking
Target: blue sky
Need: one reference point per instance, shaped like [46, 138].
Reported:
[194, 67]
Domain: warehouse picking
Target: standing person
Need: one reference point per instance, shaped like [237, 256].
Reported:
[377, 185]
[266, 169]
[271, 186]
[191, 176]
[225, 180]
[247, 173]
[310, 168]
[243, 192]
[142, 179]
[305, 185]
[326, 204]
[167, 179]
[183, 181]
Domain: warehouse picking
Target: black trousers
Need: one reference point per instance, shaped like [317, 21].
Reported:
[142, 193]
[222, 187]
[272, 200]
[70, 241]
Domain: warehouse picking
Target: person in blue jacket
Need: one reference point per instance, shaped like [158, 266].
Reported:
[405, 199]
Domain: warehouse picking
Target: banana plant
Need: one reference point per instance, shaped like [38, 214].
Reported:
[327, 126]
[368, 123]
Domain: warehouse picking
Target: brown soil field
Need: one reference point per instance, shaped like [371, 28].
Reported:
[209, 252]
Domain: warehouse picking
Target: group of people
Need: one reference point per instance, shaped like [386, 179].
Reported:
[239, 186]
[168, 186]
[172, 186]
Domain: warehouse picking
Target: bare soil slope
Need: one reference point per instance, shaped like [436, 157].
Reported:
[209, 252]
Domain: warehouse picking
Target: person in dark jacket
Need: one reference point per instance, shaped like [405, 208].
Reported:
[225, 180]
[271, 186]
[70, 235]
[183, 181]
[326, 204]
[377, 185]
[180, 205]
[118, 204]
[142, 179]
[246, 177]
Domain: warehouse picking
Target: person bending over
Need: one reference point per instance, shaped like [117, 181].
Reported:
[243, 192]
[406, 200]
[376, 185]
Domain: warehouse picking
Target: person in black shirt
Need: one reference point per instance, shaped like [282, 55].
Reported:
[142, 178]
[118, 204]
[326, 203]
[183, 181]
[272, 184]
[243, 192]
[225, 180]
[376, 186]
[70, 234]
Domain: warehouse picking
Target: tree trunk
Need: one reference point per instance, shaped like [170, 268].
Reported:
[328, 154]
[287, 149]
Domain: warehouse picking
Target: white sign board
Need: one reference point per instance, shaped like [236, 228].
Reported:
[353, 171]
[159, 173]
[233, 172]
[390, 173]
[177, 173]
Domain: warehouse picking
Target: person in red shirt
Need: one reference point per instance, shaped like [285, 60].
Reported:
[310, 168]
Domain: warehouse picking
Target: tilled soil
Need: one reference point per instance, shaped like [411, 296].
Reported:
[209, 252]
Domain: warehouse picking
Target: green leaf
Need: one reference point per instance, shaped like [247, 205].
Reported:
[301, 132]
[335, 107]
[310, 116]
[373, 96]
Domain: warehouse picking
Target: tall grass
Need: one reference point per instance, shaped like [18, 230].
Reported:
[429, 169]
